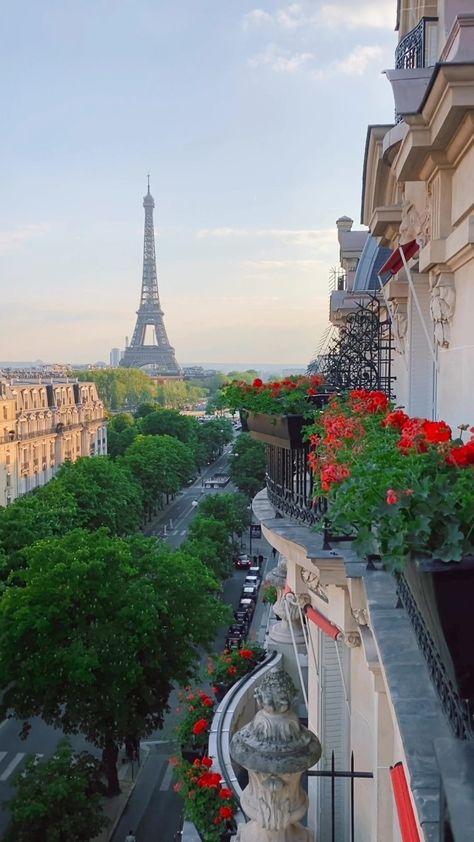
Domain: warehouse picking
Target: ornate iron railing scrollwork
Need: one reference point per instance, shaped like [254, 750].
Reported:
[411, 51]
[457, 710]
[290, 484]
[360, 356]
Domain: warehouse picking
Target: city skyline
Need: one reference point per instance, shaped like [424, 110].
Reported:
[246, 130]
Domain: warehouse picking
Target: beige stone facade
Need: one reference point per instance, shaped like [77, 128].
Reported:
[43, 424]
[369, 687]
[418, 185]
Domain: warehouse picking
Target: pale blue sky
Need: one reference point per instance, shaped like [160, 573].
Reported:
[251, 118]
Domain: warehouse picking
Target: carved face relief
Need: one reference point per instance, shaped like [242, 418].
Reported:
[442, 306]
[312, 582]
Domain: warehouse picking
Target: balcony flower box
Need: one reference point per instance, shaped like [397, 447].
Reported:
[280, 430]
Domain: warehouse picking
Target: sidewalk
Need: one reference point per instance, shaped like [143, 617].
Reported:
[113, 808]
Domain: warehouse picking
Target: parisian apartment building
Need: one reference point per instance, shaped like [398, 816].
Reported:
[45, 421]
[387, 697]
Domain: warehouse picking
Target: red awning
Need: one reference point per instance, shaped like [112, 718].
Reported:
[395, 262]
[324, 624]
[406, 815]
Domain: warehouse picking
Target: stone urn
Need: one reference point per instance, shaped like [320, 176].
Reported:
[276, 749]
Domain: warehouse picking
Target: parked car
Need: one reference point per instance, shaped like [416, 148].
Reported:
[248, 605]
[248, 592]
[242, 617]
[242, 562]
[234, 642]
[236, 629]
[252, 581]
[255, 571]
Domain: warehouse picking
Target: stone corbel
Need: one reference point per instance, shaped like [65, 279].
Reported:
[350, 639]
[442, 305]
[360, 616]
[312, 582]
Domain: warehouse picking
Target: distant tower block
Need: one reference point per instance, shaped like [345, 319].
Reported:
[159, 356]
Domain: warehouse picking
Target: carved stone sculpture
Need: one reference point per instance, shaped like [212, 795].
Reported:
[415, 225]
[275, 749]
[442, 306]
[287, 607]
[399, 320]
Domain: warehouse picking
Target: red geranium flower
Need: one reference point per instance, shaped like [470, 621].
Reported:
[225, 793]
[200, 726]
[226, 812]
[332, 474]
[246, 653]
[392, 497]
[396, 419]
[207, 761]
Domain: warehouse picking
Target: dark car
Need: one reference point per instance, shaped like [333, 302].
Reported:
[249, 592]
[242, 562]
[252, 581]
[255, 571]
[236, 629]
[248, 605]
[234, 642]
[242, 617]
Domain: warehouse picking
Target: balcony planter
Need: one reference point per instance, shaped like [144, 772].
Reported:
[444, 596]
[284, 430]
[278, 430]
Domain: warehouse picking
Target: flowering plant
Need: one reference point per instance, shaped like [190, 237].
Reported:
[404, 484]
[291, 396]
[230, 666]
[208, 804]
[197, 708]
[269, 593]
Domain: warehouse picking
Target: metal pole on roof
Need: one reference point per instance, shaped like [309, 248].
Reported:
[418, 307]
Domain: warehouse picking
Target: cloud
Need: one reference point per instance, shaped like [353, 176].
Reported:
[289, 236]
[355, 64]
[290, 17]
[256, 17]
[280, 60]
[375, 14]
[13, 239]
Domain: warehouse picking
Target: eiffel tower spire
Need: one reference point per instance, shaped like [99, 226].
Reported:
[138, 354]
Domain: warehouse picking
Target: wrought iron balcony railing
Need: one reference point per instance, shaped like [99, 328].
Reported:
[456, 709]
[290, 484]
[413, 50]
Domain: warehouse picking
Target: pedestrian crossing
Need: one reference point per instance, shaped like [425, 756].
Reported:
[10, 763]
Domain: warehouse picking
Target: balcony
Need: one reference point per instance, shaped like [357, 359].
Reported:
[415, 58]
[418, 47]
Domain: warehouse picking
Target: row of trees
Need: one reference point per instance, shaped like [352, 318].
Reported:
[205, 440]
[120, 388]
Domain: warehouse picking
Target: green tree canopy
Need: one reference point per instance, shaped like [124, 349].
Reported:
[161, 464]
[208, 529]
[231, 509]
[212, 436]
[169, 422]
[179, 394]
[57, 799]
[120, 387]
[105, 493]
[248, 464]
[100, 628]
[51, 510]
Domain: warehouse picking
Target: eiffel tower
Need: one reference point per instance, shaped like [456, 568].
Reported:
[159, 356]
